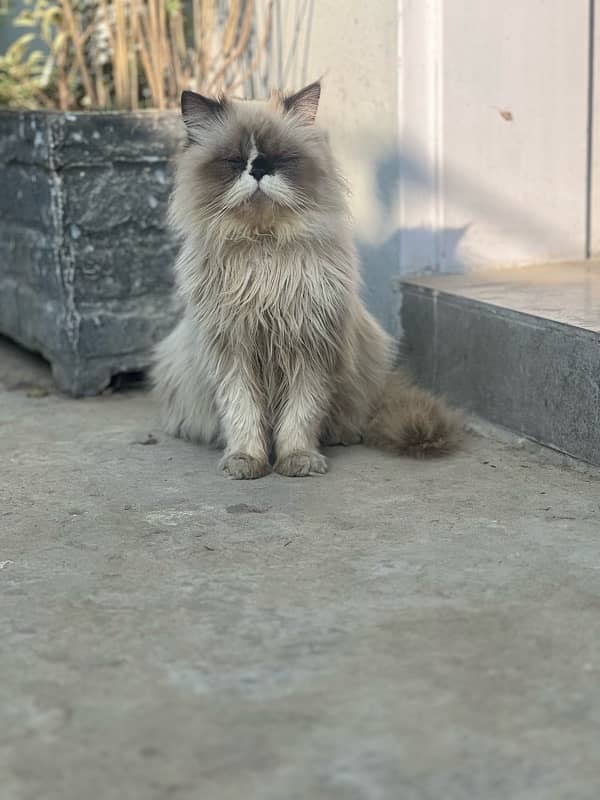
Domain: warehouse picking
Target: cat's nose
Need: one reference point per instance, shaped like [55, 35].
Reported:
[261, 166]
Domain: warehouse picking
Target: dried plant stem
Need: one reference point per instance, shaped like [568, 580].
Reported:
[231, 26]
[133, 55]
[73, 27]
[101, 93]
[120, 56]
[261, 47]
[240, 46]
[136, 53]
[63, 86]
[145, 58]
[156, 52]
[177, 52]
[167, 64]
[208, 17]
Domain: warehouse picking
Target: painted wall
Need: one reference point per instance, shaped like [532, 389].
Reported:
[513, 129]
[462, 127]
[354, 45]
[595, 140]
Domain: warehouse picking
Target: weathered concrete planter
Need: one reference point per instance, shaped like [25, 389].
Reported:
[85, 256]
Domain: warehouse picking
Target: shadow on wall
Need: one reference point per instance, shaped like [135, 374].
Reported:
[405, 250]
[404, 177]
[381, 266]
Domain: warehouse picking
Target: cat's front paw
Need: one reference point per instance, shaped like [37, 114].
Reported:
[241, 466]
[301, 463]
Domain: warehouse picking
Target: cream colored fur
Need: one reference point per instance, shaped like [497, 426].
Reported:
[275, 352]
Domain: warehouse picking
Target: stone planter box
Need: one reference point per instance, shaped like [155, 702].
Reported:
[85, 255]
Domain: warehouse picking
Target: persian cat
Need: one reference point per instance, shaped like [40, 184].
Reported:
[275, 353]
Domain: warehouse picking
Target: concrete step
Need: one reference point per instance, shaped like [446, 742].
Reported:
[520, 347]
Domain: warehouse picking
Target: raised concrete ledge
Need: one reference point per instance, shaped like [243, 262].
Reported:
[521, 348]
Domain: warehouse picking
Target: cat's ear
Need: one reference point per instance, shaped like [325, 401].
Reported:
[304, 104]
[198, 110]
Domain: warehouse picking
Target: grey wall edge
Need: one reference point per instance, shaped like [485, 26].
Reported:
[535, 377]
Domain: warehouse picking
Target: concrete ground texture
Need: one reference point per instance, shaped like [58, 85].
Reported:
[419, 630]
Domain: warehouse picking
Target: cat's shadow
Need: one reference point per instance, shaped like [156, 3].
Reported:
[406, 249]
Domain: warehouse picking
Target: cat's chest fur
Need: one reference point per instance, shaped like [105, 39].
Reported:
[289, 293]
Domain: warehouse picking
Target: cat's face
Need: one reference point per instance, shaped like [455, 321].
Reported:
[256, 165]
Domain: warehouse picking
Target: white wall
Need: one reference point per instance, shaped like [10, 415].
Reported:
[462, 126]
[354, 45]
[518, 183]
[595, 133]
[494, 109]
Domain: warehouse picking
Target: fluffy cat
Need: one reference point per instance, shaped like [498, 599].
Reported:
[275, 352]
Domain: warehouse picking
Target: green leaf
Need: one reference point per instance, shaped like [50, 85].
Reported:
[24, 20]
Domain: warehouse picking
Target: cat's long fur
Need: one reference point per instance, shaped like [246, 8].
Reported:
[275, 351]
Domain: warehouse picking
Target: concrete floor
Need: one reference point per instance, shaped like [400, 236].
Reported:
[395, 629]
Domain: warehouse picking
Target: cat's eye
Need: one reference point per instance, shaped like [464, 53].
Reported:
[235, 161]
[289, 159]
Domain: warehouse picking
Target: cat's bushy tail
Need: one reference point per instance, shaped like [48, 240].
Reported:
[411, 421]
